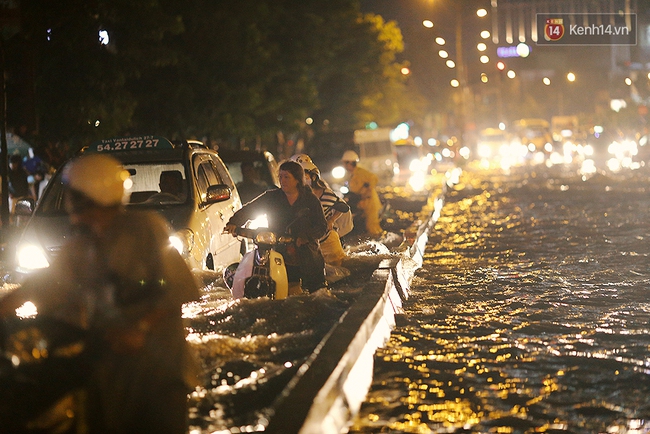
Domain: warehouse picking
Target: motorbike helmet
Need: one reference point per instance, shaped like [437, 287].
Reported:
[304, 160]
[350, 156]
[98, 177]
[307, 164]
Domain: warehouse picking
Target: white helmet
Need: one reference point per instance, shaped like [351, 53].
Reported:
[350, 156]
[305, 161]
[98, 177]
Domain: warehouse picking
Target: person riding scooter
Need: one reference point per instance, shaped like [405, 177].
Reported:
[333, 208]
[118, 279]
[292, 209]
[364, 184]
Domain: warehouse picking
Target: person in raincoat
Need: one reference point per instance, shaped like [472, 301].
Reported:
[292, 210]
[333, 208]
[364, 184]
[119, 279]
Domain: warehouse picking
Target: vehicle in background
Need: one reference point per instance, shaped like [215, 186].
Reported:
[491, 143]
[413, 162]
[410, 157]
[264, 164]
[614, 148]
[565, 128]
[206, 198]
[497, 146]
[376, 151]
[534, 134]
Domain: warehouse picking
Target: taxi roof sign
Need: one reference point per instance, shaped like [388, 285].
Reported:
[134, 143]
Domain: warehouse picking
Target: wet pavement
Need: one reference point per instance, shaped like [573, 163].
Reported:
[530, 312]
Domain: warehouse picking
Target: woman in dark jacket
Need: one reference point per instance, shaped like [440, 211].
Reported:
[293, 210]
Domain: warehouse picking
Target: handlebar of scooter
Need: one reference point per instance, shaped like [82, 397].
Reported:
[252, 234]
[245, 232]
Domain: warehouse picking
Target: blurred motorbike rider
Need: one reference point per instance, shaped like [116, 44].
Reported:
[364, 184]
[333, 208]
[294, 210]
[119, 278]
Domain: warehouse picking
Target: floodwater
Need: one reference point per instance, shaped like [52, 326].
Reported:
[530, 314]
[251, 349]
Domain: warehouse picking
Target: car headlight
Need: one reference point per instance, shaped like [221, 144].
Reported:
[183, 241]
[31, 257]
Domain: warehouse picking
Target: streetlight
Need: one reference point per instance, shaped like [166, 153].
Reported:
[461, 80]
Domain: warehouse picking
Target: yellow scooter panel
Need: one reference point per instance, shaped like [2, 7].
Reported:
[278, 272]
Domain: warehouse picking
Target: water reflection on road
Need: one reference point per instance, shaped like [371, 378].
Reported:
[530, 313]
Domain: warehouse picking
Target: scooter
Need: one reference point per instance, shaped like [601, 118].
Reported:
[262, 271]
[42, 363]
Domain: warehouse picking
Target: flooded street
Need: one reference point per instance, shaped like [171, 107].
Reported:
[250, 349]
[529, 314]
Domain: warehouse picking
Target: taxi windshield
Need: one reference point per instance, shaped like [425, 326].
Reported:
[152, 184]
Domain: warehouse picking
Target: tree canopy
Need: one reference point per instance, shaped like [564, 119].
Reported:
[227, 70]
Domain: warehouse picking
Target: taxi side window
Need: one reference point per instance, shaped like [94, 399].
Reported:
[224, 174]
[206, 173]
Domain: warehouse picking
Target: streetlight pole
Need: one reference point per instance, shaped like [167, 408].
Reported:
[467, 106]
[460, 65]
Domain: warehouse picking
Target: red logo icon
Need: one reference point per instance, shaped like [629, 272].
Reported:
[553, 29]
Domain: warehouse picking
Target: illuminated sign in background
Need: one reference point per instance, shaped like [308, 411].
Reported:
[520, 50]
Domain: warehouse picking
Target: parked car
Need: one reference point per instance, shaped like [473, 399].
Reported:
[265, 168]
[205, 198]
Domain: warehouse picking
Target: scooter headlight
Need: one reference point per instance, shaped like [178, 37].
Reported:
[183, 241]
[338, 172]
[265, 238]
[258, 222]
[31, 257]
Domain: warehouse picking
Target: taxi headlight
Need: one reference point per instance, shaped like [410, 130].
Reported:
[31, 257]
[265, 238]
[183, 241]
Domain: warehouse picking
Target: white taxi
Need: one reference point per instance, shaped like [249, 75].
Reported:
[183, 180]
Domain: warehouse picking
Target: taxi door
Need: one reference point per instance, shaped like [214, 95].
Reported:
[224, 247]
